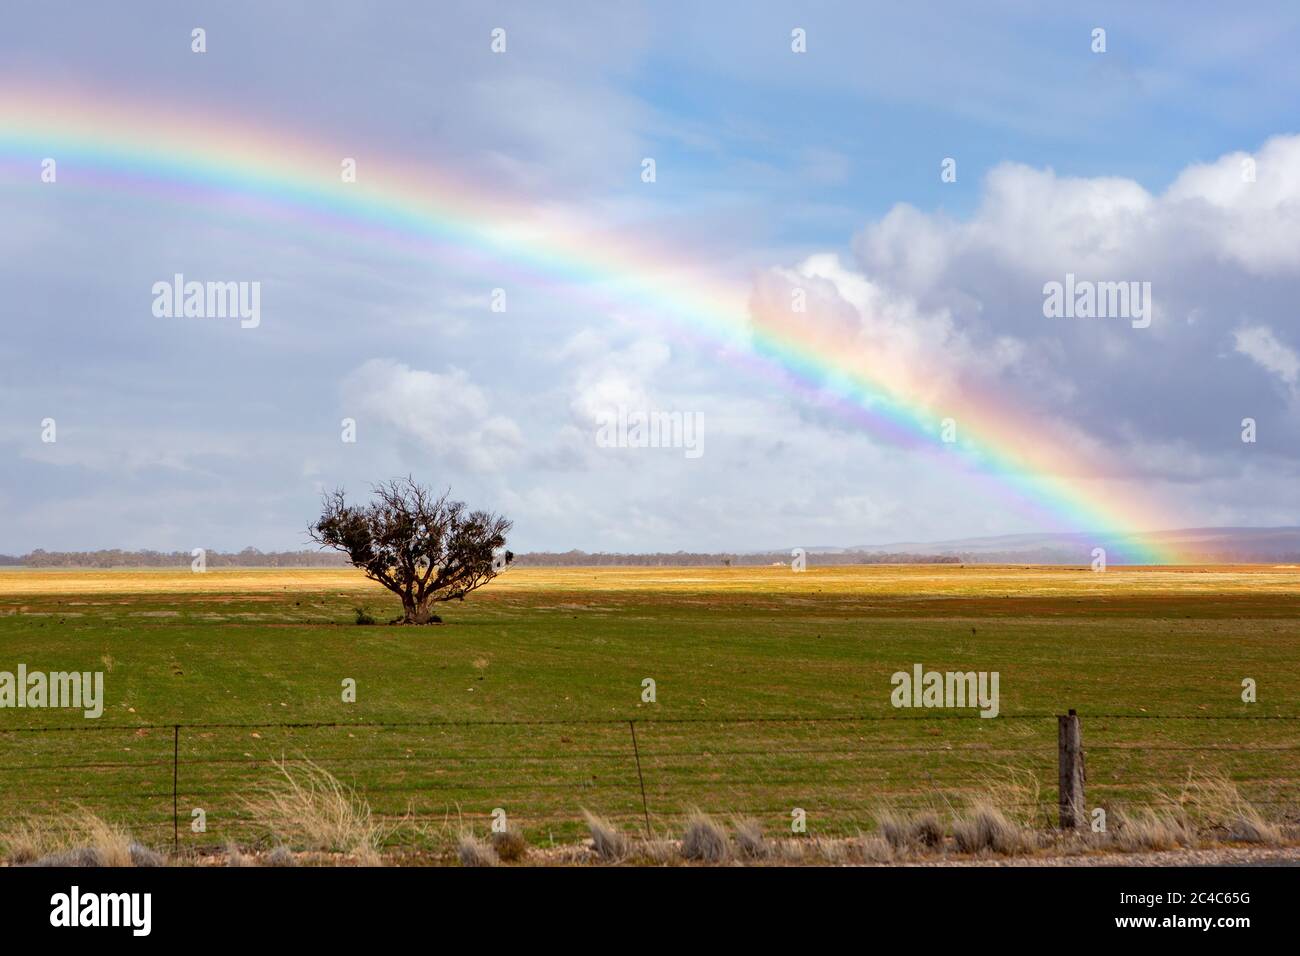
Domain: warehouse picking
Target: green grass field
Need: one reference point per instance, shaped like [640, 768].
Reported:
[773, 691]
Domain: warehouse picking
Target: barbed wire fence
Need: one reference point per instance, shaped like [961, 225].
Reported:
[643, 773]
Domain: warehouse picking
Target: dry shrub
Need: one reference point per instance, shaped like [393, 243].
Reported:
[76, 838]
[704, 839]
[510, 845]
[750, 841]
[308, 808]
[610, 844]
[474, 852]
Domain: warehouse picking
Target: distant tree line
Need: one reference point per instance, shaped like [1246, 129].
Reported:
[117, 558]
[253, 558]
[726, 559]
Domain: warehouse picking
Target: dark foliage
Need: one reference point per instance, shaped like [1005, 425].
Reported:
[424, 548]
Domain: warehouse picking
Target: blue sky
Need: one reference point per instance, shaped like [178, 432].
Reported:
[823, 165]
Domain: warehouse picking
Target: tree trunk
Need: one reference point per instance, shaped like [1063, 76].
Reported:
[418, 612]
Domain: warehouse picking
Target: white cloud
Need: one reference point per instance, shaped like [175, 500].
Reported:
[878, 330]
[1260, 344]
[446, 414]
[1038, 222]
[945, 305]
[607, 377]
[1255, 222]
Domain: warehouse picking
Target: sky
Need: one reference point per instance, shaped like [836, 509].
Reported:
[1170, 158]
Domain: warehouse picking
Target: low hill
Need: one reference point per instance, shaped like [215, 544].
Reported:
[1197, 545]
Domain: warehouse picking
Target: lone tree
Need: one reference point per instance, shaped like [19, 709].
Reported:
[421, 547]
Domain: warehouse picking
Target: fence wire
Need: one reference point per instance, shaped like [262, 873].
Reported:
[429, 778]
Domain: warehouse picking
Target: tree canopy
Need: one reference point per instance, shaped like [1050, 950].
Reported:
[423, 547]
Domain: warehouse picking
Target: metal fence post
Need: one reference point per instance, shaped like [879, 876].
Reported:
[645, 807]
[176, 770]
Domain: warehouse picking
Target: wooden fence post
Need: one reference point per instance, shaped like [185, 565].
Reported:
[1070, 772]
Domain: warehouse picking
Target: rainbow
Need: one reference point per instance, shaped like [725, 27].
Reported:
[168, 153]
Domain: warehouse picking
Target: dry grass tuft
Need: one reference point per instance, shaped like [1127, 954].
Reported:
[704, 839]
[1211, 802]
[790, 850]
[894, 828]
[474, 852]
[308, 808]
[237, 857]
[826, 850]
[281, 856]
[609, 842]
[923, 831]
[28, 840]
[1016, 792]
[750, 842]
[986, 827]
[660, 851]
[1150, 829]
[76, 838]
[927, 829]
[1252, 828]
[142, 856]
[871, 848]
[1208, 804]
